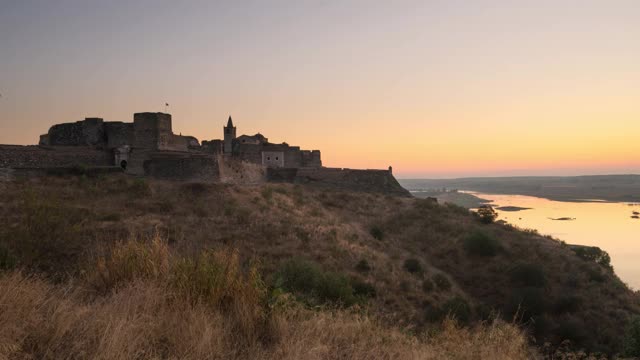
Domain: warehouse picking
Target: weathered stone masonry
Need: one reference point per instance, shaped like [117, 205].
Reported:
[148, 146]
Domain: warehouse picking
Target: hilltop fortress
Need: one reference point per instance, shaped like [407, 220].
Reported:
[148, 147]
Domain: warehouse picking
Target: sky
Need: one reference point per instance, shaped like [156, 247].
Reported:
[443, 88]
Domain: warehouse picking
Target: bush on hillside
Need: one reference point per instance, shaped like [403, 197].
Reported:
[413, 266]
[427, 285]
[315, 285]
[632, 338]
[363, 266]
[486, 214]
[7, 261]
[572, 329]
[363, 289]
[481, 244]
[48, 238]
[528, 275]
[377, 233]
[456, 308]
[527, 302]
[442, 282]
[594, 254]
[267, 193]
[567, 304]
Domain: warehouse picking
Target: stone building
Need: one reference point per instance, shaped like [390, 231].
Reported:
[258, 150]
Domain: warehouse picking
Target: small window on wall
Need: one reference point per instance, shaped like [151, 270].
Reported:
[276, 158]
[268, 158]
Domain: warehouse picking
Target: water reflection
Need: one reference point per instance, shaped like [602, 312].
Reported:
[610, 226]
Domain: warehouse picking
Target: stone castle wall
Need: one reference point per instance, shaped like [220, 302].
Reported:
[87, 132]
[381, 181]
[180, 167]
[236, 171]
[119, 134]
[16, 156]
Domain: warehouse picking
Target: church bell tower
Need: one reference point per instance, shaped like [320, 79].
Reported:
[229, 135]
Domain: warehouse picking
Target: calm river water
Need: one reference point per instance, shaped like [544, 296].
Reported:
[603, 224]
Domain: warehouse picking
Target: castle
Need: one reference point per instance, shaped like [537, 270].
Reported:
[148, 147]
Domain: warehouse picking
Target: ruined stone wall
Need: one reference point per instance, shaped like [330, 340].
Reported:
[379, 181]
[15, 156]
[212, 146]
[180, 167]
[248, 152]
[119, 134]
[179, 143]
[236, 171]
[311, 158]
[87, 132]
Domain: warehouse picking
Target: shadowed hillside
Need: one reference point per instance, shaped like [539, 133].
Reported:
[286, 271]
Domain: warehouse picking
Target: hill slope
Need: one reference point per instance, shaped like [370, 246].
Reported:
[420, 259]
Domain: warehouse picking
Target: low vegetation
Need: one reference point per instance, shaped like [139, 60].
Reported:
[481, 244]
[187, 270]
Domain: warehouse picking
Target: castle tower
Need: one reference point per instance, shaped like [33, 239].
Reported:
[229, 135]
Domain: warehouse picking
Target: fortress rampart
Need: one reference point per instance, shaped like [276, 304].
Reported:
[148, 147]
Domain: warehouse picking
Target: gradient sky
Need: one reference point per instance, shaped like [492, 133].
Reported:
[434, 88]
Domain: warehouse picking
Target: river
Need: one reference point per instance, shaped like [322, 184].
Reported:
[608, 225]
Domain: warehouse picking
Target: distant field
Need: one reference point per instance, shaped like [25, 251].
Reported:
[619, 188]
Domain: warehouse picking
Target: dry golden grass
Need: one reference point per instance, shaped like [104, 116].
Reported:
[153, 306]
[144, 321]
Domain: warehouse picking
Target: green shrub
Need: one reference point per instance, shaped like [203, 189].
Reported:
[486, 214]
[527, 302]
[592, 253]
[458, 308]
[427, 285]
[315, 285]
[528, 275]
[363, 289]
[413, 266]
[433, 313]
[442, 282]
[363, 266]
[48, 239]
[481, 244]
[567, 304]
[267, 193]
[571, 329]
[7, 261]
[595, 275]
[631, 344]
[377, 233]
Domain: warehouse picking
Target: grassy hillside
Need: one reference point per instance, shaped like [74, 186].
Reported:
[282, 271]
